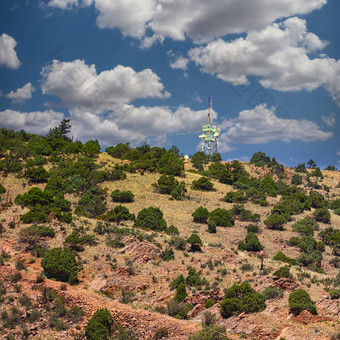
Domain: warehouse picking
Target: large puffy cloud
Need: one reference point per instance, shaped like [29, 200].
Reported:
[8, 56]
[79, 86]
[279, 54]
[21, 94]
[135, 124]
[262, 125]
[200, 20]
[130, 16]
[32, 122]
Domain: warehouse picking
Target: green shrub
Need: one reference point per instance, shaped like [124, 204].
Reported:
[306, 226]
[275, 221]
[209, 303]
[299, 300]
[280, 256]
[252, 228]
[37, 175]
[166, 184]
[92, 203]
[117, 151]
[99, 326]
[235, 197]
[168, 254]
[178, 310]
[151, 218]
[195, 241]
[60, 264]
[271, 293]
[122, 196]
[170, 164]
[322, 215]
[76, 240]
[296, 180]
[200, 215]
[2, 189]
[181, 292]
[334, 294]
[202, 184]
[161, 333]
[243, 214]
[212, 332]
[317, 200]
[251, 243]
[119, 214]
[222, 217]
[176, 281]
[283, 272]
[212, 227]
[33, 234]
[241, 298]
[301, 168]
[171, 230]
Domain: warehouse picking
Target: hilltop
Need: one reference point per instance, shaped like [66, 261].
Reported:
[124, 219]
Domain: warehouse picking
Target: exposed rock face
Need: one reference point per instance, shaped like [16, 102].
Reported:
[141, 251]
[281, 283]
[329, 307]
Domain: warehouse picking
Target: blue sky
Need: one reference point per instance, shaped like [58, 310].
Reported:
[136, 70]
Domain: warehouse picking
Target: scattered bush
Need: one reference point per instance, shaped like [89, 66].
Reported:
[209, 303]
[181, 292]
[252, 228]
[119, 214]
[235, 197]
[241, 298]
[299, 300]
[168, 254]
[60, 264]
[222, 217]
[99, 326]
[283, 272]
[212, 227]
[76, 241]
[280, 256]
[92, 203]
[122, 196]
[202, 184]
[151, 218]
[251, 243]
[272, 293]
[195, 241]
[170, 164]
[212, 332]
[171, 230]
[322, 215]
[334, 294]
[275, 221]
[200, 215]
[296, 180]
[306, 226]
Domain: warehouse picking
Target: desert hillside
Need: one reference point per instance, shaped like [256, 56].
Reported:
[83, 230]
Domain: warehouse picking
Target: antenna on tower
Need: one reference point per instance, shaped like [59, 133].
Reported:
[210, 133]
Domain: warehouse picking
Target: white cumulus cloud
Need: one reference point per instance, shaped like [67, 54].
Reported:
[262, 125]
[199, 20]
[8, 56]
[32, 122]
[279, 54]
[135, 124]
[329, 120]
[79, 86]
[21, 94]
[180, 63]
